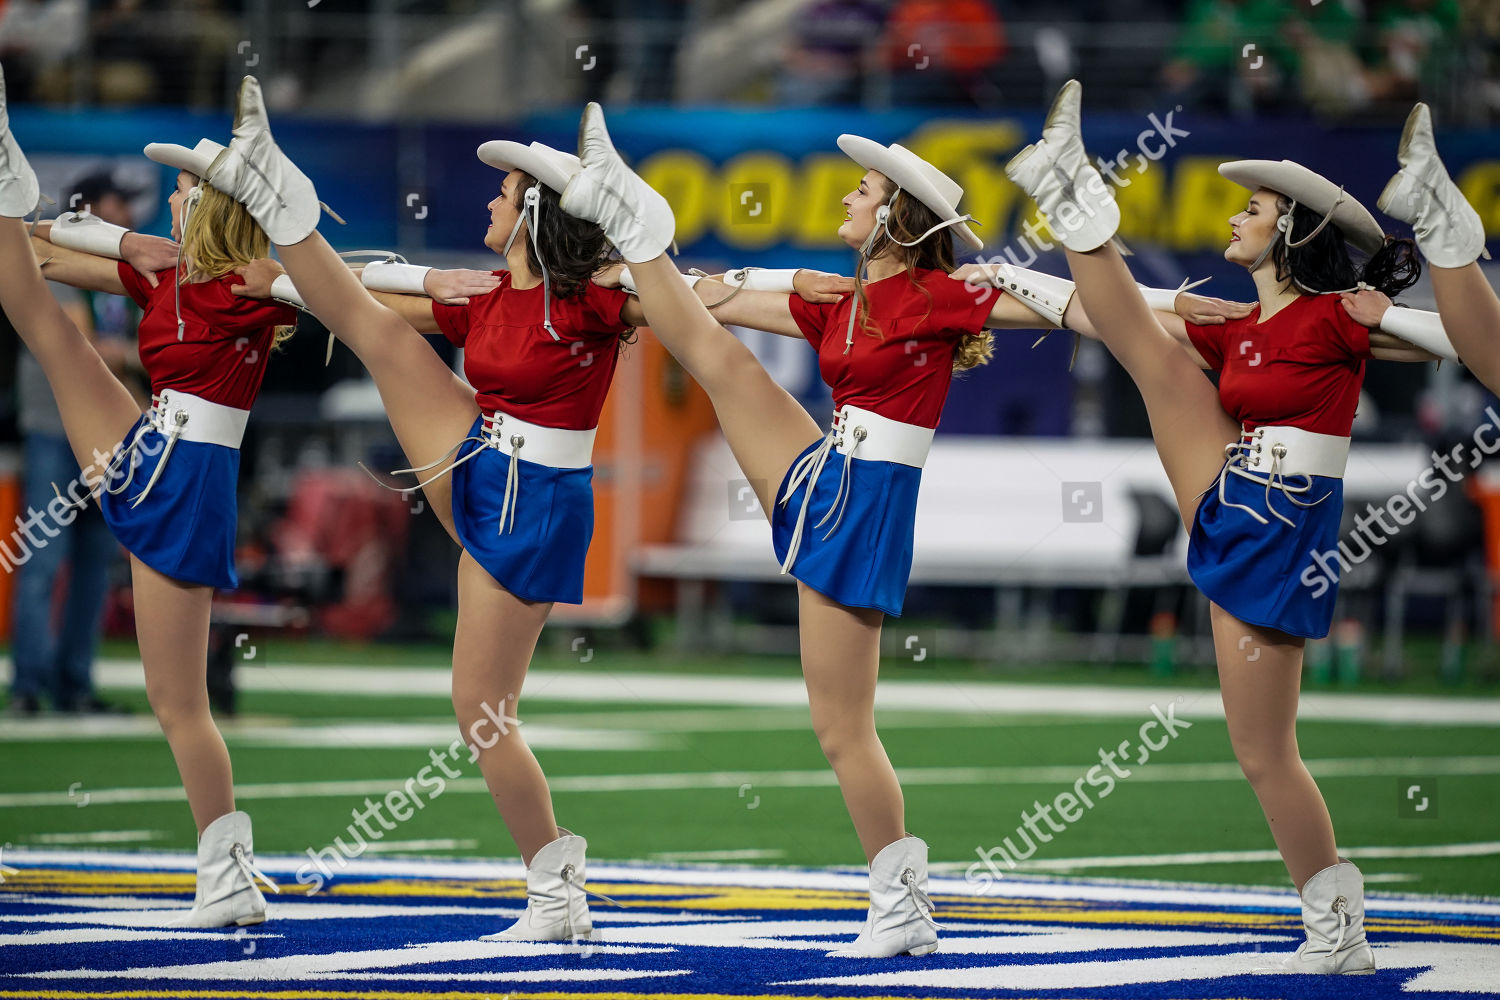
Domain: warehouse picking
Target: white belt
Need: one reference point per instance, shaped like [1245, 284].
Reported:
[522, 441]
[197, 419]
[1270, 453]
[177, 416]
[856, 434]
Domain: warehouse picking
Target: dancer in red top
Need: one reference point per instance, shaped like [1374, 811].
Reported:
[540, 346]
[842, 504]
[1290, 376]
[165, 480]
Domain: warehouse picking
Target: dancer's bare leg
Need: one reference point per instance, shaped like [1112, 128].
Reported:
[97, 411]
[1471, 314]
[430, 408]
[1260, 707]
[1188, 422]
[766, 428]
[840, 663]
[171, 623]
[492, 649]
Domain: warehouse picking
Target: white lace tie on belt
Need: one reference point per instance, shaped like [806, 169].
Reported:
[550, 446]
[177, 416]
[809, 468]
[1292, 452]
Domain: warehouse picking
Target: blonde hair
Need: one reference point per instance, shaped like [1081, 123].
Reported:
[908, 219]
[220, 236]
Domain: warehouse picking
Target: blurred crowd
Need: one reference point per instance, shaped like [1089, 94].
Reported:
[1342, 58]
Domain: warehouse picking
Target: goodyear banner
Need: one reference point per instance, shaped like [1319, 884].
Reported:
[764, 187]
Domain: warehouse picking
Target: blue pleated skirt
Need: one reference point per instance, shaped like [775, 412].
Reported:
[1270, 575]
[866, 561]
[541, 557]
[185, 528]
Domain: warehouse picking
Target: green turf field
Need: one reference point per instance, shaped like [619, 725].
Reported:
[749, 783]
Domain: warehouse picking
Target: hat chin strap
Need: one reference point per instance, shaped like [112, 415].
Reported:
[531, 211]
[882, 219]
[1284, 232]
[188, 204]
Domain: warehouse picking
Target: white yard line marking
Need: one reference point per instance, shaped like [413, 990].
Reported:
[1483, 849]
[1352, 767]
[813, 879]
[393, 846]
[99, 837]
[374, 734]
[749, 854]
[988, 697]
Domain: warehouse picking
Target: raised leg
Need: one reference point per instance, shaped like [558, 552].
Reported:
[97, 410]
[431, 409]
[1471, 314]
[1188, 423]
[766, 428]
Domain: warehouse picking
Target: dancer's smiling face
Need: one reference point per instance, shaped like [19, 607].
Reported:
[860, 206]
[185, 183]
[504, 211]
[1253, 228]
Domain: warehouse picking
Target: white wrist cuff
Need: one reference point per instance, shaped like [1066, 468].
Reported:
[283, 289]
[1160, 299]
[627, 281]
[88, 233]
[1044, 294]
[762, 279]
[393, 276]
[1421, 328]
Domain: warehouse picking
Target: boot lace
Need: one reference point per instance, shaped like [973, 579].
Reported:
[919, 899]
[237, 852]
[568, 875]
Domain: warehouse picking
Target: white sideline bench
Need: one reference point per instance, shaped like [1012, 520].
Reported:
[991, 514]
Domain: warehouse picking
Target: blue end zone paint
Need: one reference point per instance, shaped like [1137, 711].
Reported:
[76, 923]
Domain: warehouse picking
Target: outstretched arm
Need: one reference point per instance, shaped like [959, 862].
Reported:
[451, 287]
[1041, 301]
[735, 305]
[97, 273]
[1373, 309]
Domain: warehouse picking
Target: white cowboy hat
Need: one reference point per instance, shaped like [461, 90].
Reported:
[916, 177]
[1314, 191]
[552, 167]
[195, 161]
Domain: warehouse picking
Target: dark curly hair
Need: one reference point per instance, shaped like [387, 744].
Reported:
[573, 249]
[909, 219]
[1324, 263]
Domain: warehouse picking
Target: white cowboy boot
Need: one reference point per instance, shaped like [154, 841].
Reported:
[1057, 173]
[19, 192]
[637, 220]
[255, 172]
[557, 907]
[900, 919]
[227, 895]
[1447, 228]
[1333, 911]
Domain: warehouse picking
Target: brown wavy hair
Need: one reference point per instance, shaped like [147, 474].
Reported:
[909, 218]
[220, 236]
[574, 249]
